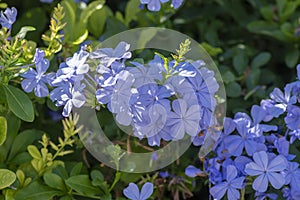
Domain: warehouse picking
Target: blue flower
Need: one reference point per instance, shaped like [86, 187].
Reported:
[145, 74]
[38, 56]
[292, 175]
[108, 55]
[151, 94]
[153, 5]
[235, 144]
[184, 119]
[271, 108]
[103, 95]
[120, 98]
[283, 99]
[8, 17]
[176, 3]
[205, 87]
[76, 64]
[292, 118]
[109, 76]
[132, 191]
[164, 174]
[158, 118]
[192, 171]
[37, 79]
[267, 169]
[230, 186]
[73, 97]
[258, 114]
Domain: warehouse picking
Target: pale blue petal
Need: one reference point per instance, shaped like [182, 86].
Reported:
[260, 184]
[28, 84]
[231, 172]
[41, 90]
[253, 169]
[238, 183]
[261, 158]
[218, 191]
[146, 191]
[192, 171]
[279, 163]
[233, 194]
[132, 192]
[277, 180]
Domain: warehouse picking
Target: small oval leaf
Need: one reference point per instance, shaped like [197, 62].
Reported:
[19, 103]
[3, 129]
[34, 152]
[7, 178]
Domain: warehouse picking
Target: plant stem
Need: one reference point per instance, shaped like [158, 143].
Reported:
[243, 194]
[116, 180]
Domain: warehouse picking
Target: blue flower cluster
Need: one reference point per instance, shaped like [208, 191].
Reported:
[155, 5]
[66, 82]
[250, 152]
[159, 100]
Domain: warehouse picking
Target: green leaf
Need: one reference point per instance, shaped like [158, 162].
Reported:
[70, 17]
[22, 33]
[54, 181]
[76, 169]
[81, 38]
[22, 140]
[131, 10]
[291, 57]
[97, 178]
[3, 129]
[146, 36]
[82, 185]
[268, 28]
[19, 103]
[228, 77]
[7, 178]
[261, 59]
[34, 152]
[91, 8]
[21, 158]
[240, 61]
[97, 21]
[37, 191]
[267, 12]
[233, 89]
[253, 78]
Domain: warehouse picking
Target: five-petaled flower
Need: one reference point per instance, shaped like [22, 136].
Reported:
[230, 186]
[37, 79]
[267, 168]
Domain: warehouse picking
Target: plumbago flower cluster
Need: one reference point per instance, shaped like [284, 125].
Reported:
[250, 153]
[161, 100]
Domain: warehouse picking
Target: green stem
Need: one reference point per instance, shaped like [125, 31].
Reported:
[116, 180]
[243, 194]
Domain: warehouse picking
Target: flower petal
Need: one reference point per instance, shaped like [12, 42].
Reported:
[277, 180]
[132, 192]
[260, 184]
[146, 191]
